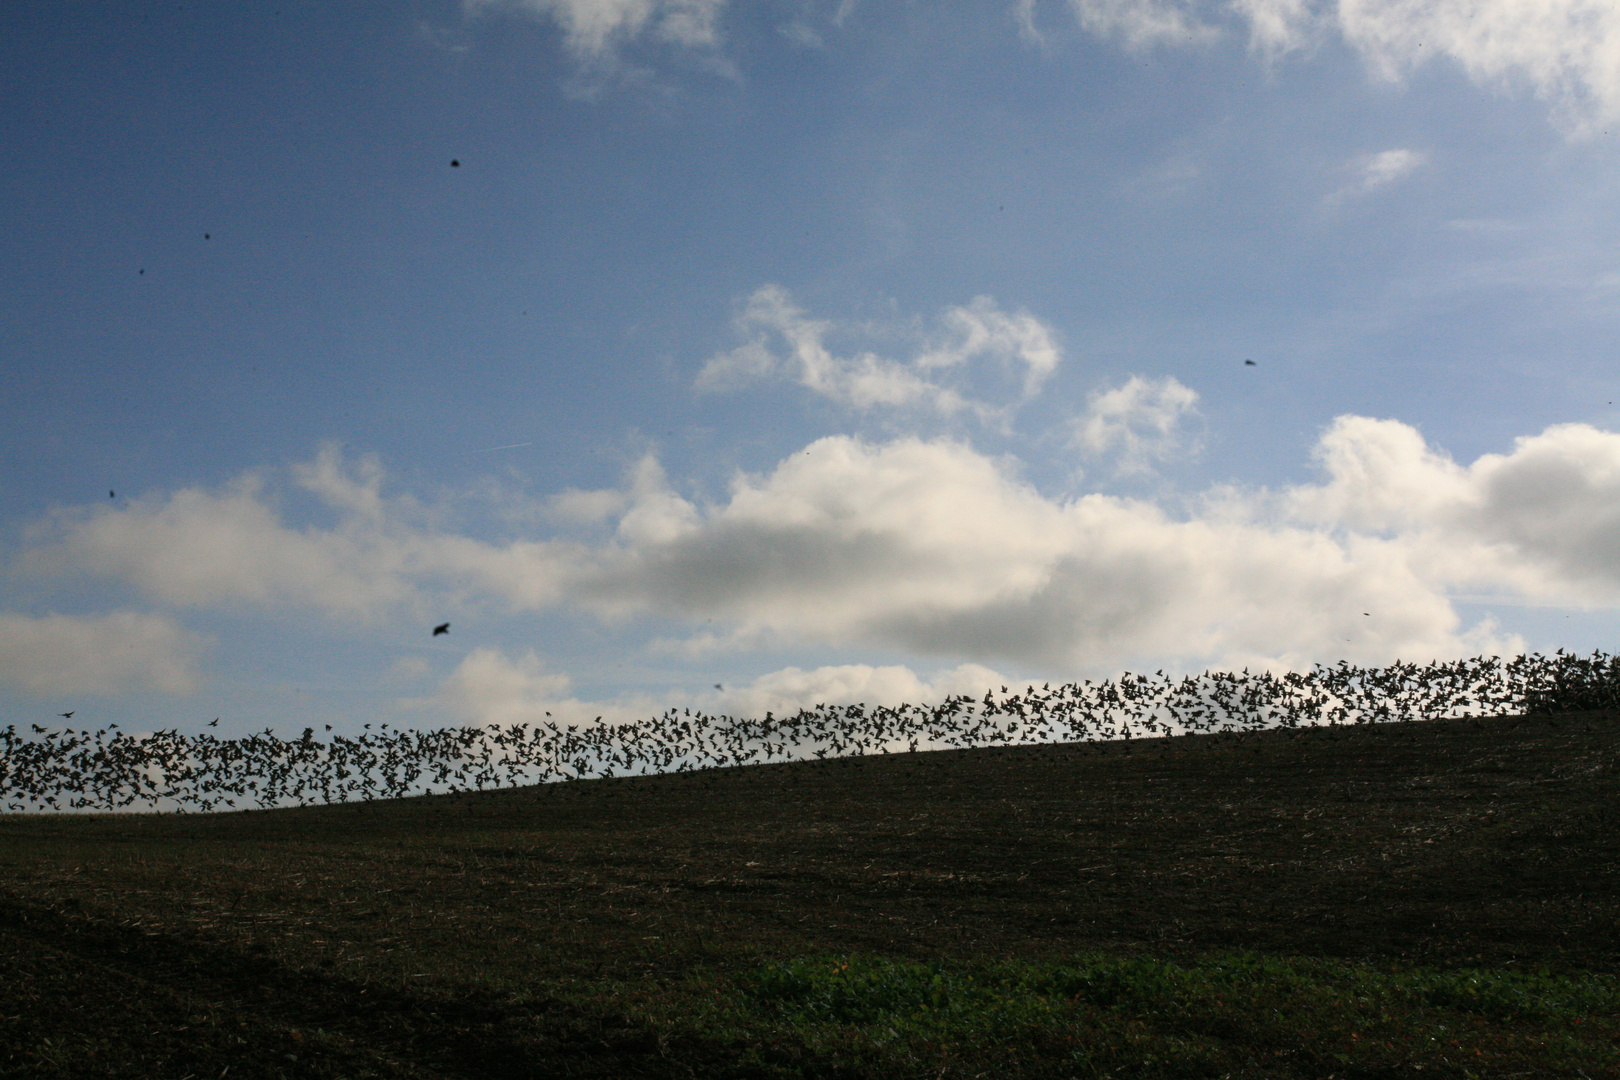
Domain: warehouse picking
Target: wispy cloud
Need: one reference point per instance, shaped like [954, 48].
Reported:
[781, 341]
[598, 32]
[1374, 172]
[1565, 51]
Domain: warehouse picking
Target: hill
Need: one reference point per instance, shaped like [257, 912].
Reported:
[694, 924]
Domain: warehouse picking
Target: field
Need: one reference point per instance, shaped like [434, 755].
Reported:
[1406, 899]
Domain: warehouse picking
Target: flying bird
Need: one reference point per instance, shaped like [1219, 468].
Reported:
[66, 715]
[1250, 363]
[214, 722]
[442, 628]
[455, 163]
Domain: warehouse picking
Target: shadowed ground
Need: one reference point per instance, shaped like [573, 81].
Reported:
[400, 929]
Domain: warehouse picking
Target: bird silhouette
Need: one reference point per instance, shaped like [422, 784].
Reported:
[442, 628]
[66, 715]
[214, 722]
[1250, 363]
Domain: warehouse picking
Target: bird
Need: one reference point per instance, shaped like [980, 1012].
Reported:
[442, 628]
[66, 715]
[455, 163]
[214, 722]
[1250, 363]
[110, 495]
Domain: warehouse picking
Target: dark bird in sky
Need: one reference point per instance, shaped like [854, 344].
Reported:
[66, 715]
[455, 163]
[1250, 363]
[110, 495]
[214, 722]
[442, 628]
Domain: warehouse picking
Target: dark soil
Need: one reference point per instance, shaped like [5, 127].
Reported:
[154, 943]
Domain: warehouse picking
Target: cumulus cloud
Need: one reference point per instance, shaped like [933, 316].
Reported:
[107, 654]
[934, 549]
[781, 341]
[931, 548]
[1542, 522]
[1142, 421]
[1566, 51]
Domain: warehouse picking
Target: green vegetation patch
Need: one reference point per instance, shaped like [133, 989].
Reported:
[1102, 1016]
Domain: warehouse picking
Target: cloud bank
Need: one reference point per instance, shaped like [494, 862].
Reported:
[933, 549]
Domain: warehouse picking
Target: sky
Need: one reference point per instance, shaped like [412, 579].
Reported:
[694, 353]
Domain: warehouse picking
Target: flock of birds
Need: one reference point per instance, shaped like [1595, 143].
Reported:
[82, 770]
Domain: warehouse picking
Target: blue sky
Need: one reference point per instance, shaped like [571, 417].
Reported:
[686, 352]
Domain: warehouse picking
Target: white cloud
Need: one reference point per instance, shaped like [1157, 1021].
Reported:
[107, 654]
[1278, 26]
[1542, 522]
[231, 548]
[933, 549]
[599, 33]
[1142, 420]
[1373, 172]
[982, 329]
[1566, 51]
[207, 549]
[1024, 16]
[593, 29]
[782, 341]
